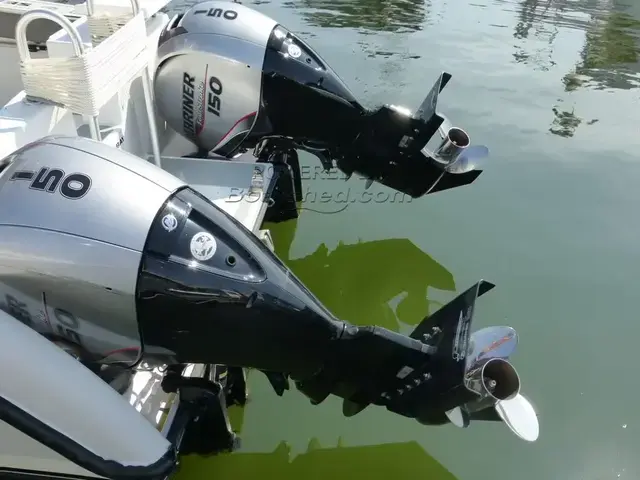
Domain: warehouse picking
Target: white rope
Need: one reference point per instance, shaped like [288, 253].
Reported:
[83, 84]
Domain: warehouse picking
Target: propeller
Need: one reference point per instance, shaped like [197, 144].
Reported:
[520, 416]
[494, 383]
[491, 342]
[455, 151]
[470, 159]
[459, 417]
[490, 375]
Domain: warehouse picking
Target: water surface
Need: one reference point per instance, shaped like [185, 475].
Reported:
[552, 88]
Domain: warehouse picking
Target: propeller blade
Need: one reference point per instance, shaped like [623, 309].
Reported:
[521, 418]
[469, 159]
[491, 342]
[459, 417]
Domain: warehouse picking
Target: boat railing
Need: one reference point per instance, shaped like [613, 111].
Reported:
[85, 82]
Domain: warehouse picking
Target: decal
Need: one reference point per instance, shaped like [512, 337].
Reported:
[461, 339]
[217, 13]
[213, 100]
[188, 92]
[193, 103]
[47, 319]
[203, 246]
[496, 344]
[17, 309]
[294, 50]
[404, 371]
[169, 222]
[51, 180]
[67, 325]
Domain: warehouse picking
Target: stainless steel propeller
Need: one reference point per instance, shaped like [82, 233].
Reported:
[456, 152]
[470, 159]
[491, 342]
[493, 346]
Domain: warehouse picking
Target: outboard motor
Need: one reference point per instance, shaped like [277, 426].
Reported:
[120, 256]
[229, 77]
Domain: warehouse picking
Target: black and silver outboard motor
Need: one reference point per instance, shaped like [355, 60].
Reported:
[145, 264]
[229, 78]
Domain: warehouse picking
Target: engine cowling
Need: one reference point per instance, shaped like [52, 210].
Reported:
[228, 76]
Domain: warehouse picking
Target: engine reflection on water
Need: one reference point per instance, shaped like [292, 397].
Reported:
[382, 282]
[375, 462]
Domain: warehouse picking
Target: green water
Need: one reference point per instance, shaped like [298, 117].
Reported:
[551, 88]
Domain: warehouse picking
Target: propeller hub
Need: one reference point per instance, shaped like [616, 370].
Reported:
[495, 378]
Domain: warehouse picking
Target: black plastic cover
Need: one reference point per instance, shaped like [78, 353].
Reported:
[302, 97]
[241, 307]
